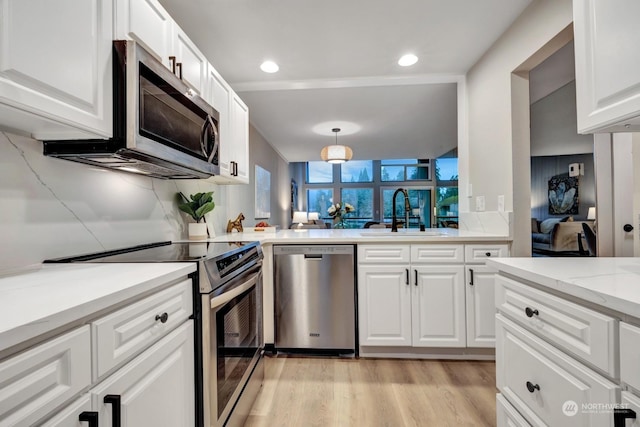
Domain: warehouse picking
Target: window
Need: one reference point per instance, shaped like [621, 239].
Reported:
[419, 200]
[357, 171]
[362, 200]
[319, 200]
[447, 191]
[398, 170]
[319, 173]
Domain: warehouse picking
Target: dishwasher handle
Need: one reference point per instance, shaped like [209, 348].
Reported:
[313, 250]
[317, 257]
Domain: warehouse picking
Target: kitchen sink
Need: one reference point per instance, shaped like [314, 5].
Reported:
[401, 233]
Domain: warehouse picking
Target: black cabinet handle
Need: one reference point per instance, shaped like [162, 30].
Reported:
[532, 387]
[415, 280]
[487, 253]
[89, 416]
[619, 415]
[406, 270]
[162, 317]
[471, 276]
[530, 312]
[179, 67]
[628, 227]
[114, 400]
[172, 60]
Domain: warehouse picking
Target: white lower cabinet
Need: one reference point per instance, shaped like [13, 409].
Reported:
[414, 304]
[421, 295]
[51, 384]
[481, 311]
[155, 389]
[547, 386]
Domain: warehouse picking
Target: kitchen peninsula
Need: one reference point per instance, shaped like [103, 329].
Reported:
[567, 331]
[420, 294]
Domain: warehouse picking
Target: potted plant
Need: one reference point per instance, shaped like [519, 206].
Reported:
[197, 206]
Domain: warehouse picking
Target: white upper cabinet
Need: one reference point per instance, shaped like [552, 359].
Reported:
[55, 68]
[234, 130]
[148, 23]
[607, 63]
[191, 65]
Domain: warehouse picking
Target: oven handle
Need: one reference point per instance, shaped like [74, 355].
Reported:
[227, 296]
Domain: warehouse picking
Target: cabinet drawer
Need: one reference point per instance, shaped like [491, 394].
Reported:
[35, 382]
[506, 415]
[437, 253]
[631, 401]
[544, 383]
[126, 332]
[69, 416]
[582, 332]
[630, 355]
[383, 254]
[479, 253]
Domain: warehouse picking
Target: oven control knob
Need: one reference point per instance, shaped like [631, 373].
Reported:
[162, 317]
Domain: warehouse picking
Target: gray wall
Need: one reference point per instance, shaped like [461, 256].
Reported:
[554, 125]
[544, 167]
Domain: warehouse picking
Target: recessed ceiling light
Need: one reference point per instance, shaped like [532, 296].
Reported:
[269, 67]
[407, 60]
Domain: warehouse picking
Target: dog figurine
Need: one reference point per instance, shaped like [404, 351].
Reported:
[235, 224]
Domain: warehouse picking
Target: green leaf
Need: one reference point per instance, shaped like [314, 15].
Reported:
[186, 208]
[204, 209]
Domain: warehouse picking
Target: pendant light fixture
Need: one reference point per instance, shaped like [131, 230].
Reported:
[336, 153]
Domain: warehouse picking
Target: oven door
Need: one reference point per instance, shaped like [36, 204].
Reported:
[232, 343]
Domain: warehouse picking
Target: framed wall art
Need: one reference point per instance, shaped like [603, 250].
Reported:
[263, 193]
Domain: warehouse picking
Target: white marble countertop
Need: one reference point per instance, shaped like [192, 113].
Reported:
[40, 299]
[613, 283]
[370, 235]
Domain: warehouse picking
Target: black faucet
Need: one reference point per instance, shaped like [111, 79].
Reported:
[407, 209]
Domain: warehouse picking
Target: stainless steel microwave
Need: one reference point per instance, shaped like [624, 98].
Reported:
[161, 127]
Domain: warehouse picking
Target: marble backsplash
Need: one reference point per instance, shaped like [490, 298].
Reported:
[53, 208]
[500, 223]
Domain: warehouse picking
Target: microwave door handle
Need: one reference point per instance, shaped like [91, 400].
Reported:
[216, 140]
[203, 135]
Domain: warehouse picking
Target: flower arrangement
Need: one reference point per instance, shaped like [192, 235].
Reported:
[337, 211]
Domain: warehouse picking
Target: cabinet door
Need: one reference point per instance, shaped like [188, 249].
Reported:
[384, 303]
[240, 138]
[219, 95]
[481, 306]
[35, 382]
[55, 62]
[438, 307]
[156, 388]
[607, 60]
[190, 60]
[146, 22]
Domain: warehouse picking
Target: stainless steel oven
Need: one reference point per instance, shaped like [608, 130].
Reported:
[233, 346]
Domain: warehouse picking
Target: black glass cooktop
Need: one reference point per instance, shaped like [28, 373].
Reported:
[164, 252]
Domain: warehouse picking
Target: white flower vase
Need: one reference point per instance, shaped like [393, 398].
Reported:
[197, 231]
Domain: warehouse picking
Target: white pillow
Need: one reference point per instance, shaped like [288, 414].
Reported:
[547, 225]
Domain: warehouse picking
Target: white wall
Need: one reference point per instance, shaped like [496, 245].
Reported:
[52, 208]
[488, 141]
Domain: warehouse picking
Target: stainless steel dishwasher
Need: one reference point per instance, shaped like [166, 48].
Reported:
[315, 298]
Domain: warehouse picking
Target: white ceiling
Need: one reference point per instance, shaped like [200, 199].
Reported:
[338, 62]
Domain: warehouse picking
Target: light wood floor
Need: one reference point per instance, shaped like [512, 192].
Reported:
[324, 392]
